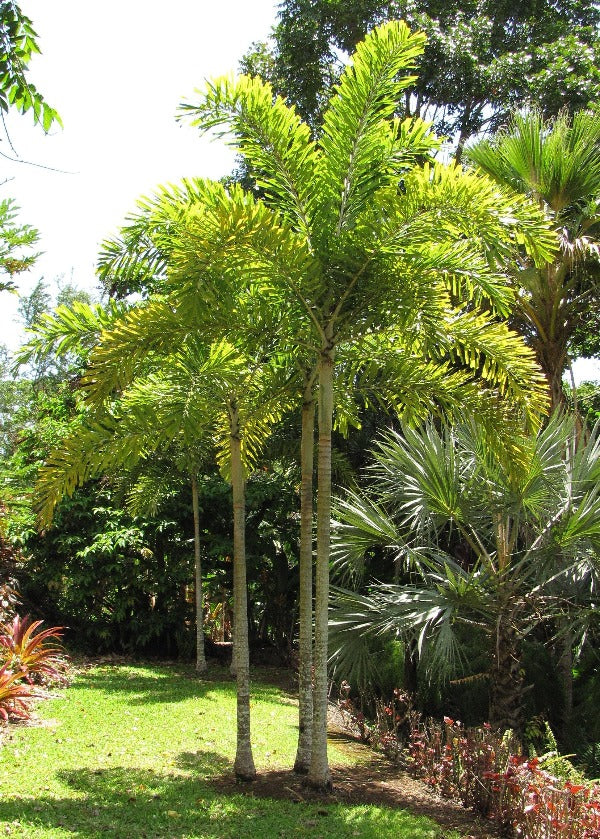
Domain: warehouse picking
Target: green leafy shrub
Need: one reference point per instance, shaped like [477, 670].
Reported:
[9, 559]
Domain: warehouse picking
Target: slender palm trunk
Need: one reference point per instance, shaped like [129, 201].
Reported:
[318, 776]
[305, 694]
[201, 666]
[244, 762]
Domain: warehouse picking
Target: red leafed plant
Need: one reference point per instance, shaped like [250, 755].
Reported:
[29, 654]
[14, 695]
[480, 768]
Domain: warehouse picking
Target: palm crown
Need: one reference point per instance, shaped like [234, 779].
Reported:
[528, 526]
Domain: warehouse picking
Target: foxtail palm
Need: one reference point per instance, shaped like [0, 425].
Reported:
[353, 237]
[198, 387]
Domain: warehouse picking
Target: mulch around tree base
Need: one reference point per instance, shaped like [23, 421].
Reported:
[373, 781]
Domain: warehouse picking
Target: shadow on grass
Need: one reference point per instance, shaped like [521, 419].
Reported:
[149, 683]
[124, 802]
[375, 783]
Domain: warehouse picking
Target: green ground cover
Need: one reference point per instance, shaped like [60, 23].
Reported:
[130, 751]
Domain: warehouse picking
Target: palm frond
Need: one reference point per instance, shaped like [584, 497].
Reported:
[582, 524]
[500, 357]
[408, 612]
[360, 145]
[419, 473]
[139, 254]
[69, 329]
[123, 348]
[553, 160]
[89, 450]
[358, 526]
[270, 135]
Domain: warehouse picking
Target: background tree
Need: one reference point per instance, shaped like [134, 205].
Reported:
[18, 43]
[15, 242]
[557, 163]
[481, 59]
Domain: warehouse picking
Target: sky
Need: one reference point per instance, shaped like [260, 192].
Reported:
[116, 72]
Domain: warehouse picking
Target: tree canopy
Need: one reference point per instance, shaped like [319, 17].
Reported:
[481, 60]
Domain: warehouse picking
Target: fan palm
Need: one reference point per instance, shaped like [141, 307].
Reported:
[527, 516]
[557, 163]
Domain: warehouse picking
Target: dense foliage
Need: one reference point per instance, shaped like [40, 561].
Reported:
[352, 272]
[481, 60]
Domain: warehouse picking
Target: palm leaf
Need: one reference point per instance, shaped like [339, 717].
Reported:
[360, 145]
[269, 134]
[554, 160]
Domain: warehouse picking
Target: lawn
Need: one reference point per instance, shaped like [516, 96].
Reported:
[138, 750]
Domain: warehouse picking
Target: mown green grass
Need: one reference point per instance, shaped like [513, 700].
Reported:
[130, 751]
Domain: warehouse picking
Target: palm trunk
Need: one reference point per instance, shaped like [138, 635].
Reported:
[507, 689]
[305, 693]
[201, 666]
[565, 675]
[318, 776]
[551, 356]
[244, 762]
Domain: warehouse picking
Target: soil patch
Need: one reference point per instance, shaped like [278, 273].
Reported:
[374, 780]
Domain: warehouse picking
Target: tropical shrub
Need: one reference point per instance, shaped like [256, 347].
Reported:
[389, 731]
[480, 768]
[14, 695]
[485, 541]
[27, 653]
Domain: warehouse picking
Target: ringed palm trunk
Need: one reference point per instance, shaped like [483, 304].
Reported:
[305, 692]
[318, 776]
[201, 666]
[244, 763]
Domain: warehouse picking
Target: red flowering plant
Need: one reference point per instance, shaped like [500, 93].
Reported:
[481, 768]
[393, 722]
[353, 718]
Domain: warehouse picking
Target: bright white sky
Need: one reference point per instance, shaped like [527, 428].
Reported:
[116, 72]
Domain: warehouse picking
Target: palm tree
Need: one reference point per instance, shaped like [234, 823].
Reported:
[352, 237]
[527, 515]
[348, 240]
[557, 163]
[196, 391]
